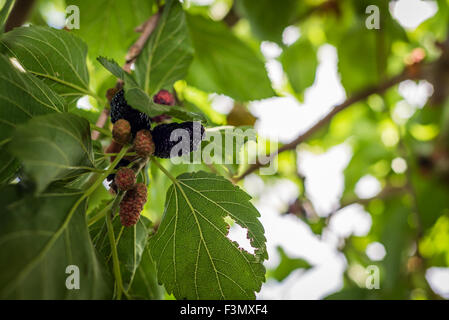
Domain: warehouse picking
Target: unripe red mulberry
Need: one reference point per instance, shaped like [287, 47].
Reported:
[125, 178]
[143, 143]
[164, 97]
[132, 204]
[121, 132]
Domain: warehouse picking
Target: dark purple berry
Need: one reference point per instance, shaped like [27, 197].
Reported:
[121, 110]
[162, 135]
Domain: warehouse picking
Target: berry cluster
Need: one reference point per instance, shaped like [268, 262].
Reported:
[132, 204]
[135, 197]
[131, 125]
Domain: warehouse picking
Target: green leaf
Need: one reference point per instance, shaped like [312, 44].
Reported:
[137, 98]
[53, 147]
[108, 26]
[9, 166]
[287, 266]
[40, 237]
[113, 67]
[300, 63]
[225, 64]
[56, 56]
[431, 197]
[167, 53]
[194, 257]
[357, 60]
[396, 235]
[269, 18]
[363, 53]
[22, 97]
[130, 243]
[145, 284]
[4, 12]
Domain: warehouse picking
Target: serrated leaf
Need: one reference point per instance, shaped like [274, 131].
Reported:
[40, 237]
[167, 53]
[22, 96]
[130, 242]
[300, 63]
[53, 147]
[55, 56]
[108, 26]
[225, 64]
[194, 257]
[113, 67]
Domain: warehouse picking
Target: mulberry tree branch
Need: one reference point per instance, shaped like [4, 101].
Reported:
[327, 119]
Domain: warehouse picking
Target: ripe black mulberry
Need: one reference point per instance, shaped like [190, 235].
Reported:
[165, 142]
[121, 110]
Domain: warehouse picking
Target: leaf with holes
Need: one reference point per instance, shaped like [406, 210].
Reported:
[56, 56]
[53, 147]
[168, 52]
[194, 257]
[40, 237]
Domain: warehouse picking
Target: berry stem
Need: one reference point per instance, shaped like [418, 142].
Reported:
[115, 261]
[100, 214]
[173, 179]
[101, 130]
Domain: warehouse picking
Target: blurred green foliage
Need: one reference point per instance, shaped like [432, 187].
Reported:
[413, 224]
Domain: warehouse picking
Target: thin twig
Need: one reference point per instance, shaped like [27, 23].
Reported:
[326, 120]
[137, 47]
